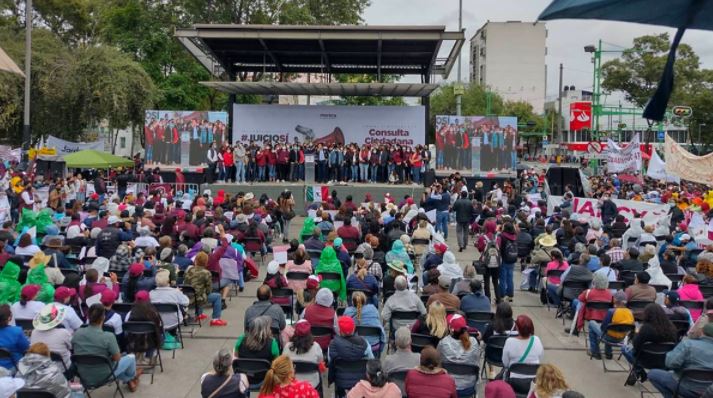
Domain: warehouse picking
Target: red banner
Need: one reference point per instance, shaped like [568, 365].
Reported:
[580, 115]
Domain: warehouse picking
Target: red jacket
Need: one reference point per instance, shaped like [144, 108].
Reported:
[283, 156]
[319, 315]
[271, 158]
[429, 385]
[261, 158]
[593, 295]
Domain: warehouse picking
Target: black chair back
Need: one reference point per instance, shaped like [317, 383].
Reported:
[93, 362]
[331, 276]
[598, 305]
[399, 378]
[521, 385]
[402, 316]
[617, 285]
[288, 309]
[297, 276]
[357, 367]
[33, 393]
[653, 355]
[254, 369]
[56, 357]
[619, 328]
[479, 319]
[302, 367]
[494, 350]
[692, 305]
[637, 307]
[675, 280]
[321, 331]
[417, 241]
[420, 341]
[660, 288]
[700, 376]
[554, 273]
[122, 309]
[706, 290]
[25, 324]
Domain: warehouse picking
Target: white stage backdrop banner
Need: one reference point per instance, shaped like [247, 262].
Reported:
[588, 208]
[404, 125]
[64, 147]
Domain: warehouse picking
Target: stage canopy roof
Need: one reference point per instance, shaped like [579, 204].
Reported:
[373, 50]
[337, 89]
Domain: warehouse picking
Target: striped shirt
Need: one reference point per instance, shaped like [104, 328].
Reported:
[616, 254]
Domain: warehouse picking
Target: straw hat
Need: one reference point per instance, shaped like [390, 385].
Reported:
[548, 241]
[39, 258]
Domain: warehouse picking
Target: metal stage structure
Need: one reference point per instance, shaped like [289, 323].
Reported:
[270, 53]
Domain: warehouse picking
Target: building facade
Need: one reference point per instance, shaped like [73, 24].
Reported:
[509, 58]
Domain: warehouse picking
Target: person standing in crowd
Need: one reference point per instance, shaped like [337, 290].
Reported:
[212, 158]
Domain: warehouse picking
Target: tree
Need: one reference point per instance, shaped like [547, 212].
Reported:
[639, 69]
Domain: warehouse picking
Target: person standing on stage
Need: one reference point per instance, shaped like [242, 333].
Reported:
[212, 160]
[240, 159]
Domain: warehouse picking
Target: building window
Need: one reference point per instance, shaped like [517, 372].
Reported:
[122, 142]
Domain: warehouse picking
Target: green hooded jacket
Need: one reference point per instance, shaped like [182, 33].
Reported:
[9, 286]
[307, 228]
[328, 262]
[37, 276]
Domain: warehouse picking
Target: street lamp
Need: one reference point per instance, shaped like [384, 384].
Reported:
[699, 133]
[590, 48]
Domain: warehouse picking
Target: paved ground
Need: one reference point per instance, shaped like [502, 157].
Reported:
[181, 375]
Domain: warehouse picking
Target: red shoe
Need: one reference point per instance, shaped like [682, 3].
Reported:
[218, 322]
[201, 317]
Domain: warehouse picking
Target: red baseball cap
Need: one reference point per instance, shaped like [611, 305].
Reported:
[302, 327]
[440, 247]
[108, 297]
[142, 296]
[456, 322]
[136, 269]
[30, 291]
[63, 292]
[346, 325]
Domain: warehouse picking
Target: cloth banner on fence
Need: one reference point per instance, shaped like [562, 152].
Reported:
[657, 170]
[9, 154]
[687, 166]
[588, 208]
[317, 193]
[623, 159]
[64, 147]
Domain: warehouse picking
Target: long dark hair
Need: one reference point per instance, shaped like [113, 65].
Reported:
[5, 315]
[301, 344]
[131, 286]
[502, 322]
[656, 318]
[376, 376]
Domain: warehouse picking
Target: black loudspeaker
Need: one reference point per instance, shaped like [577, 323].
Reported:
[558, 177]
[429, 177]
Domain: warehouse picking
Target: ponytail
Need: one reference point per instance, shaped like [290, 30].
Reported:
[358, 299]
[281, 371]
[464, 338]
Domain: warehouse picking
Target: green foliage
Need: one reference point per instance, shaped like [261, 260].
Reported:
[360, 101]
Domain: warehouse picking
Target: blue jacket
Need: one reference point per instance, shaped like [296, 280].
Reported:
[13, 339]
[347, 348]
[369, 317]
[688, 354]
[475, 302]
[369, 282]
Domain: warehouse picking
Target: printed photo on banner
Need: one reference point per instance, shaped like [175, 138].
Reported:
[182, 138]
[372, 125]
[476, 144]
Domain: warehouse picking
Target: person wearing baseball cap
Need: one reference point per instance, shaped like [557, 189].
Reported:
[107, 299]
[435, 259]
[63, 296]
[345, 347]
[460, 347]
[28, 306]
[302, 347]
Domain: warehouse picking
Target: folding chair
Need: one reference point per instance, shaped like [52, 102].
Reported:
[302, 367]
[253, 245]
[229, 270]
[322, 335]
[399, 378]
[168, 308]
[637, 307]
[493, 353]
[26, 325]
[6, 354]
[255, 369]
[404, 318]
[660, 288]
[148, 330]
[93, 362]
[288, 309]
[616, 328]
[651, 356]
[702, 376]
[420, 341]
[122, 309]
[552, 273]
[521, 385]
[314, 257]
[706, 290]
[675, 280]
[463, 369]
[190, 292]
[372, 331]
[617, 285]
[33, 393]
[297, 276]
[479, 319]
[592, 305]
[573, 289]
[56, 357]
[682, 327]
[357, 367]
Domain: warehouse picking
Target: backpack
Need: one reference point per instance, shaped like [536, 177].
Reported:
[509, 251]
[491, 255]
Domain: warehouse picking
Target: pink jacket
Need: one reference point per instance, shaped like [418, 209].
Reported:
[690, 292]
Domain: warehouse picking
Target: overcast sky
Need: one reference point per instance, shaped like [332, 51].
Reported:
[565, 41]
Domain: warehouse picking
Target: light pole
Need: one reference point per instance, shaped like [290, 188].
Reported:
[459, 95]
[699, 133]
[26, 129]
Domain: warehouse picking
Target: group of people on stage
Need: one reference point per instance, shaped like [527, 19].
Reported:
[166, 139]
[334, 163]
[464, 145]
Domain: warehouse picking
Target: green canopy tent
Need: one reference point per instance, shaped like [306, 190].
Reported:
[91, 159]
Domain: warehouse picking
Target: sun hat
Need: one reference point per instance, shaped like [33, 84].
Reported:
[39, 259]
[548, 241]
[63, 292]
[49, 317]
[346, 325]
[397, 266]
[302, 327]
